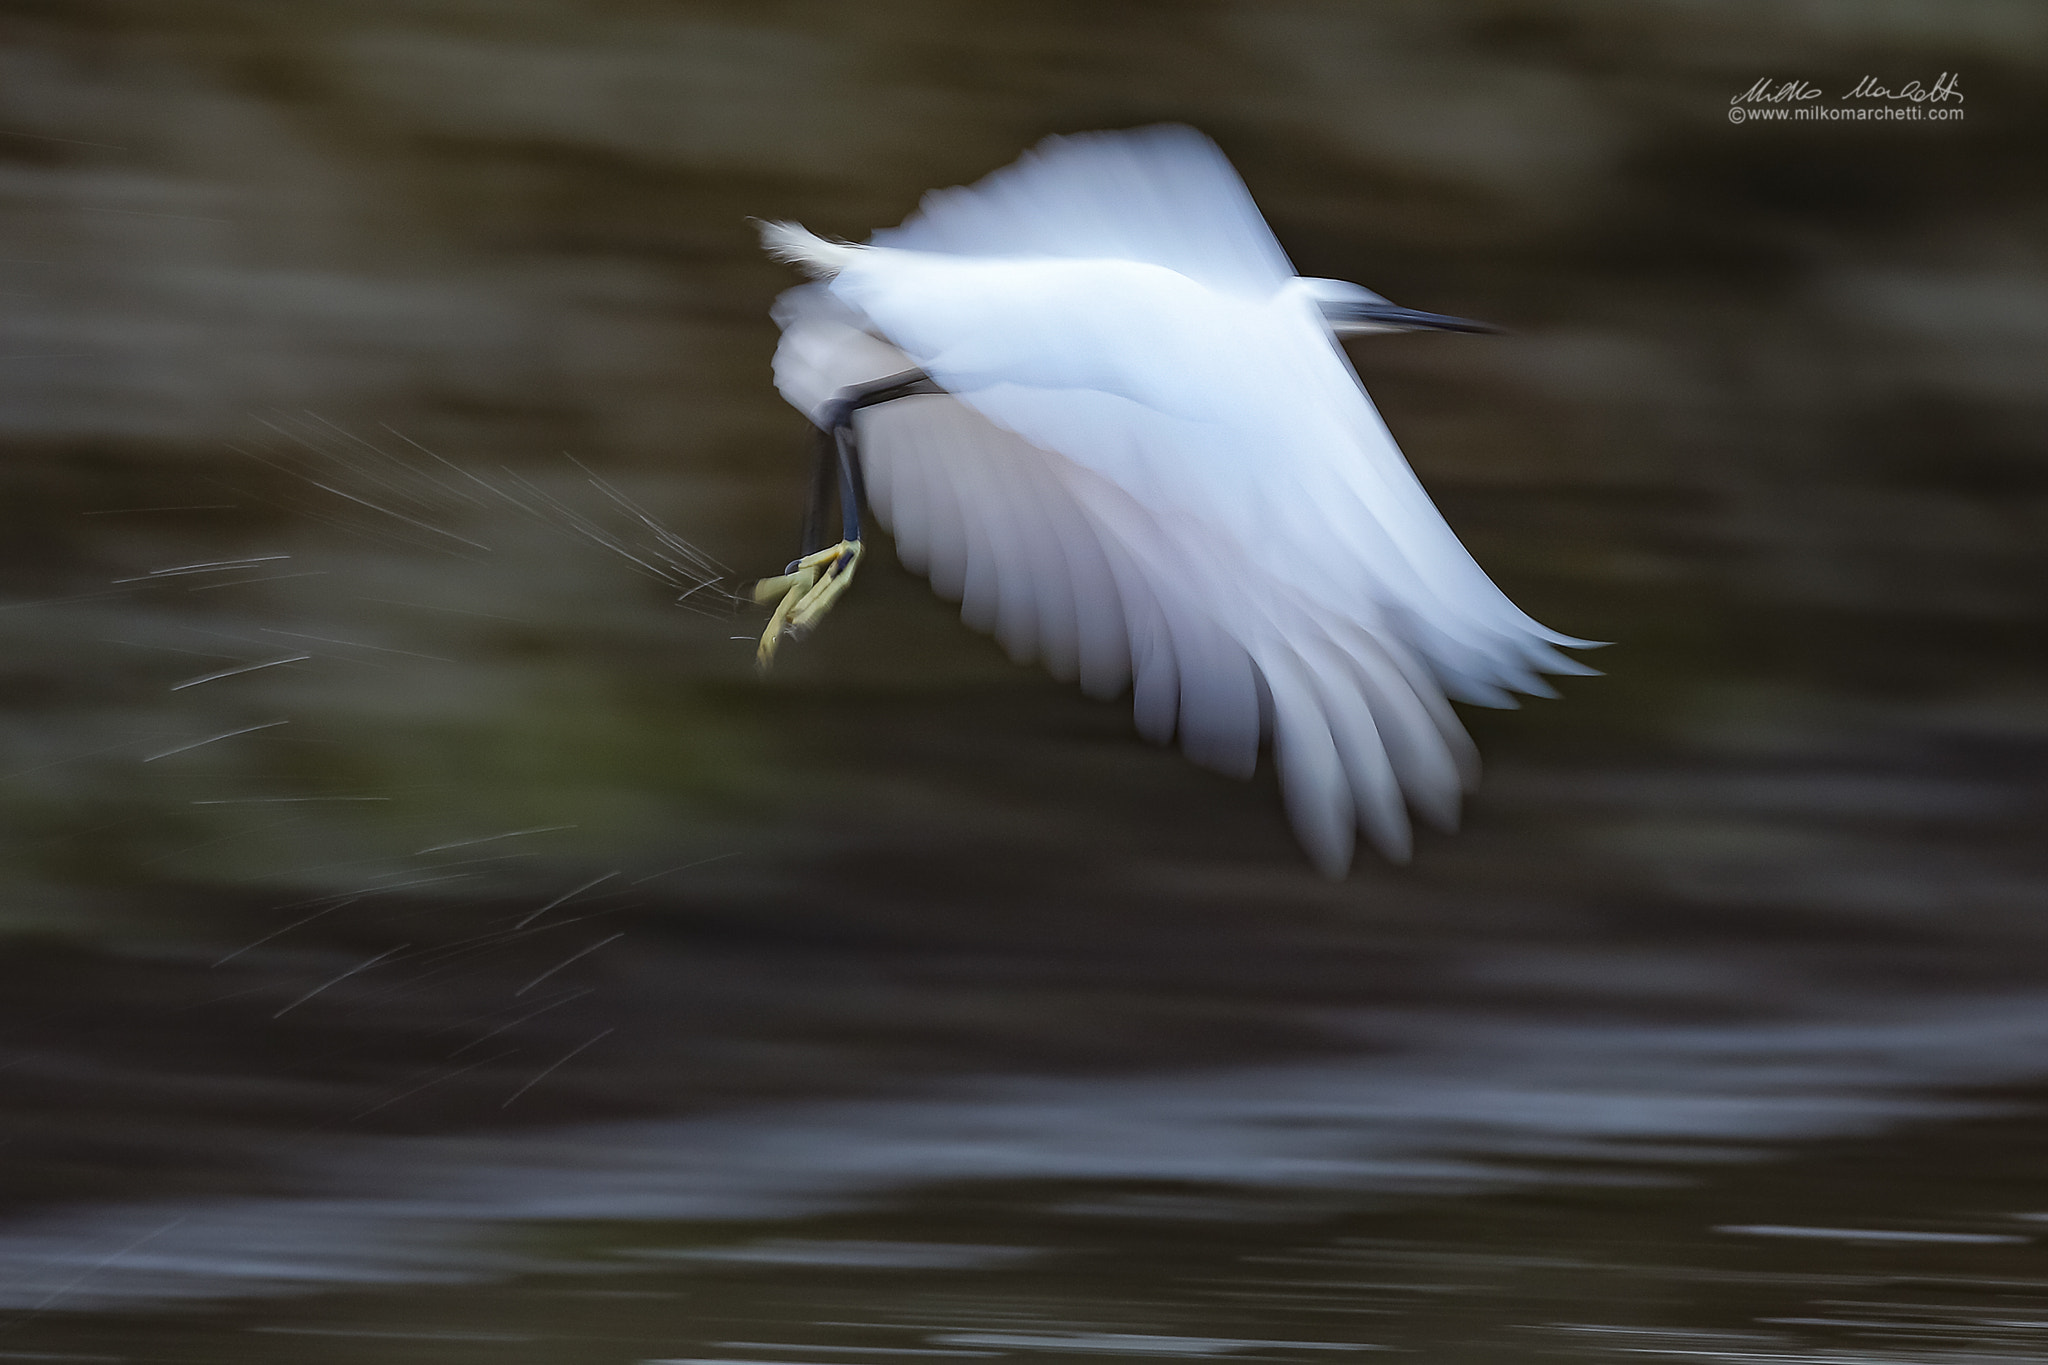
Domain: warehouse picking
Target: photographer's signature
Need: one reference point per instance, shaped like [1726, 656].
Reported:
[1946, 87]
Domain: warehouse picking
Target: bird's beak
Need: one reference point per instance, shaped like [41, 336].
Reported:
[1363, 317]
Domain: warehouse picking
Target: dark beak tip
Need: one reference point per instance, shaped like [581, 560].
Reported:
[1397, 318]
[1444, 322]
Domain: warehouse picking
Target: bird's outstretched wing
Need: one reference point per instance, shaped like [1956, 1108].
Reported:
[1164, 195]
[1064, 565]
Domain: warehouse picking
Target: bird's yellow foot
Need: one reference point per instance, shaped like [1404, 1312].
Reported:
[807, 592]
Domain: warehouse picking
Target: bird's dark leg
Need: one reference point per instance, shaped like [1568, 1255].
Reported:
[824, 467]
[840, 446]
[813, 582]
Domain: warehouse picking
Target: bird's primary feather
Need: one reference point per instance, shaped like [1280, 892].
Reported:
[1153, 464]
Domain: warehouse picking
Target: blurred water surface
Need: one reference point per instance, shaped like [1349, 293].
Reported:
[427, 940]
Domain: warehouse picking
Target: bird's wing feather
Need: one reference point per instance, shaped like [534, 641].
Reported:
[1165, 195]
[1059, 558]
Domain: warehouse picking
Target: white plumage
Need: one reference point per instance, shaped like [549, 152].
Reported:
[1154, 466]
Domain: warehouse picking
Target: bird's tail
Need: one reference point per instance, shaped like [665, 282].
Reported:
[807, 251]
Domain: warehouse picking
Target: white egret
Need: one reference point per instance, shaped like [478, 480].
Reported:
[1094, 403]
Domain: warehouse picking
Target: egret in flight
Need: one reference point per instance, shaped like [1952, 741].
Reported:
[1093, 402]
